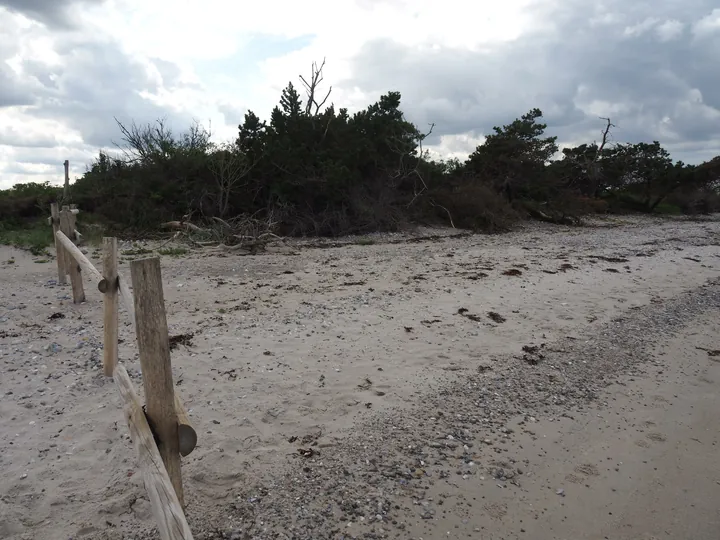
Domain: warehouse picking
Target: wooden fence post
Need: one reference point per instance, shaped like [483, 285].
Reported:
[110, 306]
[154, 347]
[59, 250]
[68, 257]
[66, 191]
[73, 223]
[73, 266]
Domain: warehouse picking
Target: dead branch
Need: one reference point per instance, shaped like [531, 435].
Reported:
[229, 168]
[452, 223]
[415, 170]
[311, 87]
[605, 135]
[182, 225]
[166, 242]
[591, 167]
[223, 222]
[146, 143]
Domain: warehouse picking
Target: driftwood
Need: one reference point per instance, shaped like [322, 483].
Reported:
[243, 235]
[183, 225]
[562, 219]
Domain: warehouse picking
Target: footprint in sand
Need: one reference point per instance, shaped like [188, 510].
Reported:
[656, 437]
[588, 469]
[575, 479]
[642, 443]
[585, 470]
[496, 510]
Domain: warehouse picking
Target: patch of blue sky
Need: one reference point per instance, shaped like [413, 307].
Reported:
[243, 66]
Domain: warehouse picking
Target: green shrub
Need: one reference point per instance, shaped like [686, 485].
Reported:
[35, 236]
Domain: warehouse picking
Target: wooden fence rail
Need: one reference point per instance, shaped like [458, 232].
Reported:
[175, 436]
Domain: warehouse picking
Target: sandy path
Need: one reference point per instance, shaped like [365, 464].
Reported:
[285, 345]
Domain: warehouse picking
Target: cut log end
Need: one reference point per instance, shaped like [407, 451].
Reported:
[188, 439]
[187, 436]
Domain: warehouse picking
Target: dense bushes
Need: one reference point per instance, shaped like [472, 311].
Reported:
[309, 171]
[25, 202]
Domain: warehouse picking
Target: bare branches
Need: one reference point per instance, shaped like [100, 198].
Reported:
[415, 171]
[605, 134]
[311, 88]
[145, 143]
[229, 167]
[156, 142]
[245, 234]
[590, 165]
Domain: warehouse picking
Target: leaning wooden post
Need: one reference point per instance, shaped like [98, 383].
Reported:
[110, 306]
[154, 347]
[73, 266]
[166, 507]
[59, 251]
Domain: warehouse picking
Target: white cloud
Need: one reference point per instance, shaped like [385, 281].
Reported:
[669, 30]
[641, 28]
[708, 25]
[185, 38]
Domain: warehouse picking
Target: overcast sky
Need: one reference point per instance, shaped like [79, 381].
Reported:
[67, 67]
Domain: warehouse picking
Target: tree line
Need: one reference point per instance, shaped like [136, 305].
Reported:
[314, 170]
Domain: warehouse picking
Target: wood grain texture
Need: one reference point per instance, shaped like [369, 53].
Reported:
[79, 257]
[166, 507]
[154, 347]
[73, 268]
[110, 306]
[187, 436]
[126, 295]
[59, 251]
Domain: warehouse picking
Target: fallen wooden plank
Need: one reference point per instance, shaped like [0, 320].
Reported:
[166, 508]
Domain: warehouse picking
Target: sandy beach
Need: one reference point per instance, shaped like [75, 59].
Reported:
[549, 383]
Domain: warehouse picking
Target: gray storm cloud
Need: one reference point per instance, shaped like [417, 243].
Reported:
[651, 66]
[53, 13]
[94, 82]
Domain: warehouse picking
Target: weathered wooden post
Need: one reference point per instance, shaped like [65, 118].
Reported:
[154, 347]
[166, 421]
[59, 251]
[73, 266]
[66, 191]
[68, 256]
[75, 237]
[110, 306]
[166, 507]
